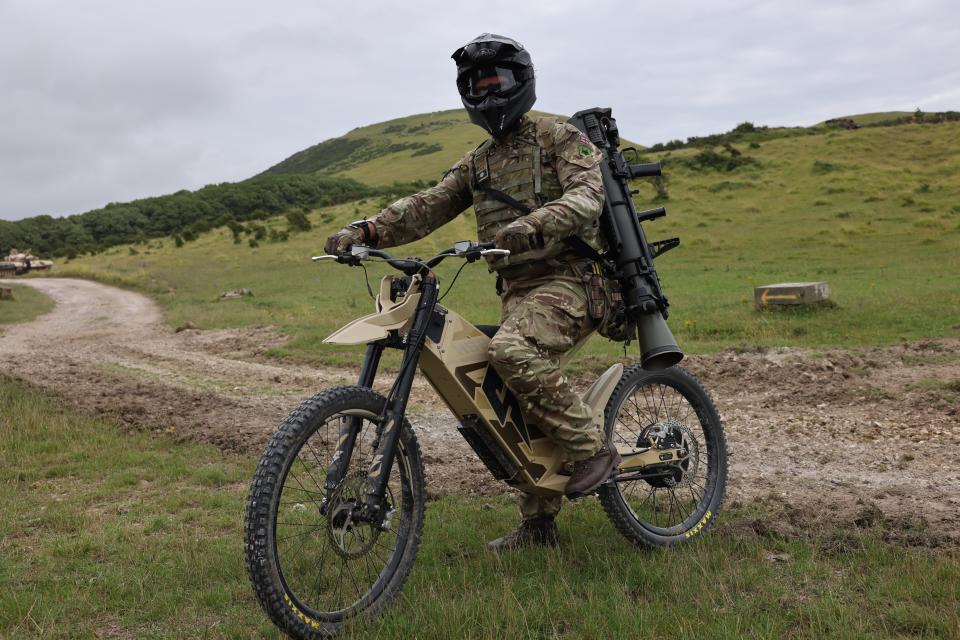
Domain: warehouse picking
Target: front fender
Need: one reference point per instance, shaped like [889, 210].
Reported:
[376, 326]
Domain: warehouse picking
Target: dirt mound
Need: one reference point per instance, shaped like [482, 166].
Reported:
[852, 439]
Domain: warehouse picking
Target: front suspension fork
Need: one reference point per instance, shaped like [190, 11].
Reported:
[392, 419]
[350, 425]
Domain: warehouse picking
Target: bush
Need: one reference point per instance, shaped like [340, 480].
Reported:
[821, 167]
[253, 243]
[236, 229]
[708, 159]
[259, 231]
[430, 148]
[198, 227]
[298, 221]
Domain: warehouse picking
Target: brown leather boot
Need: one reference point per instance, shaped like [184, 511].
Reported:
[590, 473]
[538, 531]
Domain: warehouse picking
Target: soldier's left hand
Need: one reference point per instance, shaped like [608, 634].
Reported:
[520, 236]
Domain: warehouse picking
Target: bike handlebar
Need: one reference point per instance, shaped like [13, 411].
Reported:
[411, 265]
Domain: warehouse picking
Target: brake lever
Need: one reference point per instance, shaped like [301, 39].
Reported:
[344, 258]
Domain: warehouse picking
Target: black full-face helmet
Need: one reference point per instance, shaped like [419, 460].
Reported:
[495, 80]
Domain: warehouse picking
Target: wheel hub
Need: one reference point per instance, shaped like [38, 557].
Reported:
[349, 535]
[672, 434]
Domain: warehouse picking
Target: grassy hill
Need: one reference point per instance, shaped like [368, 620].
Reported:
[874, 211]
[865, 119]
[406, 149]
[419, 147]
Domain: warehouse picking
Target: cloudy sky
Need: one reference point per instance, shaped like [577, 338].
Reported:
[109, 101]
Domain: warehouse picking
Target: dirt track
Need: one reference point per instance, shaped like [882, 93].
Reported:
[868, 437]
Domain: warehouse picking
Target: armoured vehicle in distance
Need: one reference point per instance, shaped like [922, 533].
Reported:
[20, 262]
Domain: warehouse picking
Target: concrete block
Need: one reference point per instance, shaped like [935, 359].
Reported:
[790, 294]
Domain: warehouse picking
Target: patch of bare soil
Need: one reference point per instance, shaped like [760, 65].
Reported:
[847, 438]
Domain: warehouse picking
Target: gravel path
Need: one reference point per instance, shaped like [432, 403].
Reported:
[820, 439]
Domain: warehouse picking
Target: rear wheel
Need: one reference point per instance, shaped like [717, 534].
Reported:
[666, 504]
[313, 563]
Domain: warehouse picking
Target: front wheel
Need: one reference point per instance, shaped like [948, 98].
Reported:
[664, 505]
[313, 564]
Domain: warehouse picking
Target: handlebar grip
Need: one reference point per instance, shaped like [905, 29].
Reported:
[645, 170]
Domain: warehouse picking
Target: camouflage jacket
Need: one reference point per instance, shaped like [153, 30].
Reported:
[545, 164]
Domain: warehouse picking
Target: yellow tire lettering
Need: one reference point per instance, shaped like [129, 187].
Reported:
[300, 616]
[699, 526]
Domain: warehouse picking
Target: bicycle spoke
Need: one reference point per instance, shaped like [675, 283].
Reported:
[664, 503]
[303, 541]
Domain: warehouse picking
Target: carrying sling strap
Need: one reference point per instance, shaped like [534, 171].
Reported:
[575, 243]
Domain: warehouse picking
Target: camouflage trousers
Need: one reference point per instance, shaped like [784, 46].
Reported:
[542, 320]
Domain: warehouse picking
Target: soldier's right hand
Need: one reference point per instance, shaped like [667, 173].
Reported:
[360, 232]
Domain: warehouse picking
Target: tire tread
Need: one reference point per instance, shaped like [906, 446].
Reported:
[609, 496]
[286, 440]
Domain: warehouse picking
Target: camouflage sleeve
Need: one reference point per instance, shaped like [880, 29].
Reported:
[413, 217]
[578, 169]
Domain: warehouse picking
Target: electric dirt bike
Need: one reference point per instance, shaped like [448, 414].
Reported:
[336, 507]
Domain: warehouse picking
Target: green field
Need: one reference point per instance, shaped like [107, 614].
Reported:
[875, 212]
[109, 534]
[27, 303]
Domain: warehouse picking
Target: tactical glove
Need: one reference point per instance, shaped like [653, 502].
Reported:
[359, 232]
[520, 236]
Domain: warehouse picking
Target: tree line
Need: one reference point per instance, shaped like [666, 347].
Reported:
[185, 213]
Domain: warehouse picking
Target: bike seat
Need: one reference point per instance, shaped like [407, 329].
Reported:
[488, 329]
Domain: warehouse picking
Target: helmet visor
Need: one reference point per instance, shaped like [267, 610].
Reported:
[483, 81]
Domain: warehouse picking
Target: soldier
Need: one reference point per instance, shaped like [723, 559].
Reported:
[535, 182]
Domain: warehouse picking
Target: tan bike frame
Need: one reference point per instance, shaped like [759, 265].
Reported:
[455, 362]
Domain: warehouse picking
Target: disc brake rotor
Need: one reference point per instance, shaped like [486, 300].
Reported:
[350, 538]
[673, 434]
